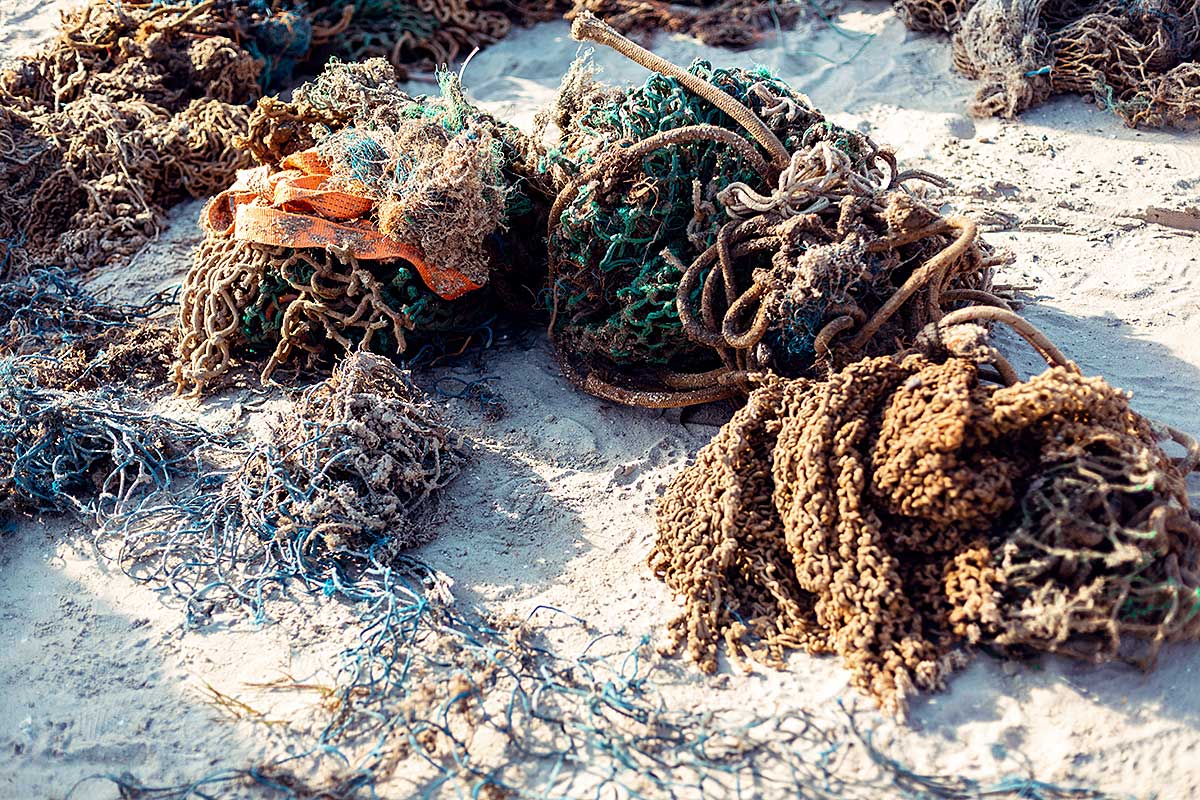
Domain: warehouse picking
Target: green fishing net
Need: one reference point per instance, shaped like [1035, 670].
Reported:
[443, 176]
[617, 245]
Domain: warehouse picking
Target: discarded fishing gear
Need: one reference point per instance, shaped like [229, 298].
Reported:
[719, 23]
[353, 467]
[80, 451]
[910, 505]
[131, 109]
[712, 224]
[1138, 59]
[45, 308]
[433, 695]
[371, 213]
[412, 34]
[932, 16]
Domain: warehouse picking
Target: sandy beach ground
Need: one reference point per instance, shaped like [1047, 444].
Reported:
[557, 506]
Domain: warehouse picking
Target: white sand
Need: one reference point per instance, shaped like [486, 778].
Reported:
[557, 507]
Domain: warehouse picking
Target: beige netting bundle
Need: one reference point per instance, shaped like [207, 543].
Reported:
[1135, 57]
[129, 110]
[284, 304]
[371, 214]
[914, 504]
[359, 460]
[938, 16]
[719, 23]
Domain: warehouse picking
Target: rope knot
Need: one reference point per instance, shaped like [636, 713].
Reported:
[815, 178]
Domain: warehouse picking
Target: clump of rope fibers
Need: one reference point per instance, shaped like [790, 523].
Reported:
[83, 452]
[914, 504]
[480, 706]
[414, 35]
[712, 223]
[358, 459]
[353, 468]
[371, 214]
[718, 23]
[138, 355]
[1135, 57]
[131, 109]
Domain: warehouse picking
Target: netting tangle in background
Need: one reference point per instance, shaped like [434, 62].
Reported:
[733, 24]
[712, 224]
[1137, 58]
[134, 107]
[372, 213]
[46, 308]
[129, 110]
[913, 505]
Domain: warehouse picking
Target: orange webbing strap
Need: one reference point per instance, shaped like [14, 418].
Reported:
[294, 208]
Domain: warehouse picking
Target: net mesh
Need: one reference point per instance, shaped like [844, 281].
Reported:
[1134, 57]
[438, 173]
[908, 507]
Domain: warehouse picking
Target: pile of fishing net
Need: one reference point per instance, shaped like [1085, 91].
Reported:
[45, 308]
[1138, 58]
[932, 16]
[371, 214]
[718, 23]
[136, 107]
[358, 460]
[910, 505]
[128, 111]
[712, 224]
[83, 341]
[417, 34]
[354, 467]
[80, 451]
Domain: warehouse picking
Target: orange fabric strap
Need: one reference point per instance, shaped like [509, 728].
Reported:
[295, 208]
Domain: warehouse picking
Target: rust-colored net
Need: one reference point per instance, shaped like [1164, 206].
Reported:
[914, 504]
[932, 16]
[720, 23]
[129, 110]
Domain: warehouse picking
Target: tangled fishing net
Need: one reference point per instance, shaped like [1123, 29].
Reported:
[1135, 57]
[135, 107]
[354, 467]
[433, 697]
[371, 213]
[718, 23]
[84, 452]
[83, 341]
[45, 308]
[359, 459]
[711, 224]
[420, 34]
[932, 16]
[128, 111]
[913, 504]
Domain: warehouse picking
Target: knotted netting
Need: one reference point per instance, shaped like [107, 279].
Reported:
[371, 214]
[712, 223]
[1137, 58]
[912, 505]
